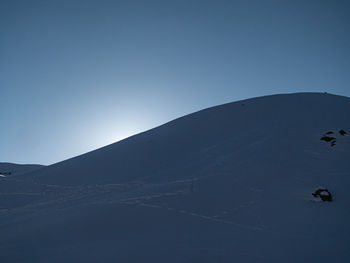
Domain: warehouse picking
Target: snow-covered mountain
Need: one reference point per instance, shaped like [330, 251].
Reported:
[231, 183]
[9, 169]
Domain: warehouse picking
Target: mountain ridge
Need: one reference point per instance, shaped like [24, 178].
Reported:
[16, 169]
[211, 112]
[229, 183]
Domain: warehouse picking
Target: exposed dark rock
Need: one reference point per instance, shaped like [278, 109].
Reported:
[342, 132]
[327, 138]
[324, 194]
[330, 132]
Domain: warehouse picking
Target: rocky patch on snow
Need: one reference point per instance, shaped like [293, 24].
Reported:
[330, 139]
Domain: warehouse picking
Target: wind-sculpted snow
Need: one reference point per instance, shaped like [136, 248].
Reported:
[231, 183]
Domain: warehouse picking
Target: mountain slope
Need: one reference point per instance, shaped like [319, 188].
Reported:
[16, 169]
[229, 183]
[274, 121]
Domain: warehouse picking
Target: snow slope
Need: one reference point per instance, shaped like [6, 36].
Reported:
[16, 169]
[231, 183]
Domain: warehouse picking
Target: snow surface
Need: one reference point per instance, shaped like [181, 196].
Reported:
[231, 183]
[17, 169]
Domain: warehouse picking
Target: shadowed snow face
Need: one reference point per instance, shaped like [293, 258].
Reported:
[229, 183]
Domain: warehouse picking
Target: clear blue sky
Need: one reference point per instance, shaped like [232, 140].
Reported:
[77, 75]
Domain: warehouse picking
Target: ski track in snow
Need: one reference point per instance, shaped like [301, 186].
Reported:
[78, 193]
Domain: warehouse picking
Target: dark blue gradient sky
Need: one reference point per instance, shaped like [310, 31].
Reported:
[77, 75]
